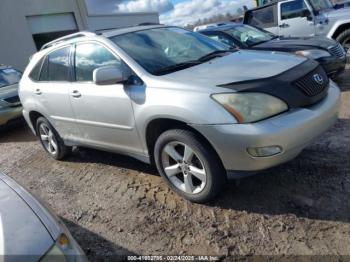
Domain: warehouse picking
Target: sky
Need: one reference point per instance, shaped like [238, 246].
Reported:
[174, 12]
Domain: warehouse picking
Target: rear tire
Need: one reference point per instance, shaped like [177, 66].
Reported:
[189, 165]
[344, 38]
[50, 139]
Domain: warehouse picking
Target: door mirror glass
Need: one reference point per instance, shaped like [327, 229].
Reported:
[108, 75]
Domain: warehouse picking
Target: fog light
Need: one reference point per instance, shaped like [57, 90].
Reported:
[264, 151]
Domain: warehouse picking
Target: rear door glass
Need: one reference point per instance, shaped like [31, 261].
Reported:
[56, 66]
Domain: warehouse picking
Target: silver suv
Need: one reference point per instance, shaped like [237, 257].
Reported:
[175, 98]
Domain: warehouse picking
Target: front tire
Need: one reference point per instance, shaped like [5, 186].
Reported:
[189, 165]
[50, 139]
[344, 38]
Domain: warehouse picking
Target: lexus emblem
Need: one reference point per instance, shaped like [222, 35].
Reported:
[318, 79]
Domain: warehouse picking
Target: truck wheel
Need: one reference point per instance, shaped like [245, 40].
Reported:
[344, 38]
[50, 139]
[189, 166]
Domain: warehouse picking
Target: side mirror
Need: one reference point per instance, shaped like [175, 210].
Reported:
[108, 75]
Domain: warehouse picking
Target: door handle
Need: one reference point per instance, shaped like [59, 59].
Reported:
[37, 91]
[284, 25]
[76, 94]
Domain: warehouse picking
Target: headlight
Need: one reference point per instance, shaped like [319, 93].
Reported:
[313, 53]
[250, 107]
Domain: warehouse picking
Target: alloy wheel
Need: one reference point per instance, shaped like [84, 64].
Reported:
[48, 139]
[184, 168]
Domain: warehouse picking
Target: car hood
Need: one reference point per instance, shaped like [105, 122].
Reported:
[334, 14]
[21, 231]
[236, 67]
[290, 44]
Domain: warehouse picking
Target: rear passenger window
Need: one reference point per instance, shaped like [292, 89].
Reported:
[293, 9]
[35, 74]
[90, 56]
[264, 17]
[56, 66]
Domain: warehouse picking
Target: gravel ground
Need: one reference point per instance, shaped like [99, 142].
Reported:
[115, 205]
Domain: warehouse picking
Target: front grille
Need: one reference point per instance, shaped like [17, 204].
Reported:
[12, 100]
[337, 50]
[313, 83]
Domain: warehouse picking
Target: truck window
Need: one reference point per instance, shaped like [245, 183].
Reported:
[293, 9]
[263, 17]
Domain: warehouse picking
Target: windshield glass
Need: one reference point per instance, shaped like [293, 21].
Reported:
[161, 48]
[9, 76]
[249, 35]
[319, 5]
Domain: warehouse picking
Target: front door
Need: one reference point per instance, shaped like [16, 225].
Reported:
[103, 113]
[295, 19]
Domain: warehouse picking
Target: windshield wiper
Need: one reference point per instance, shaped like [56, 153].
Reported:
[214, 54]
[261, 42]
[176, 67]
[184, 65]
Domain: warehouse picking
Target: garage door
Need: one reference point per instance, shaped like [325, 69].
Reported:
[46, 28]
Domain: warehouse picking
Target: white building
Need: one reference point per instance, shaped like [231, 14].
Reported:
[25, 25]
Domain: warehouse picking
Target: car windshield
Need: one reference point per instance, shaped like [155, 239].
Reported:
[249, 35]
[9, 76]
[319, 5]
[168, 49]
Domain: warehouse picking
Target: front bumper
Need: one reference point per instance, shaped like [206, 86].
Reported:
[10, 113]
[292, 131]
[333, 65]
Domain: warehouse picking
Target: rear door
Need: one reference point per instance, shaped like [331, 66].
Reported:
[51, 90]
[104, 113]
[295, 19]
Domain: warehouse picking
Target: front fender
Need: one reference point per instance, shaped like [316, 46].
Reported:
[188, 106]
[336, 25]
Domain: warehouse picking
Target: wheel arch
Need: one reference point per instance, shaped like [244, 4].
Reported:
[33, 117]
[157, 126]
[339, 28]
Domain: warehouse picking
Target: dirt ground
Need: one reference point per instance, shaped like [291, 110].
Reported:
[115, 205]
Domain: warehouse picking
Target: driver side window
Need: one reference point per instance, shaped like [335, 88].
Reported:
[90, 56]
[294, 9]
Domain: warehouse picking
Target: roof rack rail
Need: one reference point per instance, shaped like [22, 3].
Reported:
[148, 23]
[66, 38]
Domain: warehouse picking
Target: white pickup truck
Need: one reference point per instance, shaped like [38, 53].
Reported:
[303, 18]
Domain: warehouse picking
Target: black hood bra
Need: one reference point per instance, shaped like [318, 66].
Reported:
[300, 86]
[292, 44]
